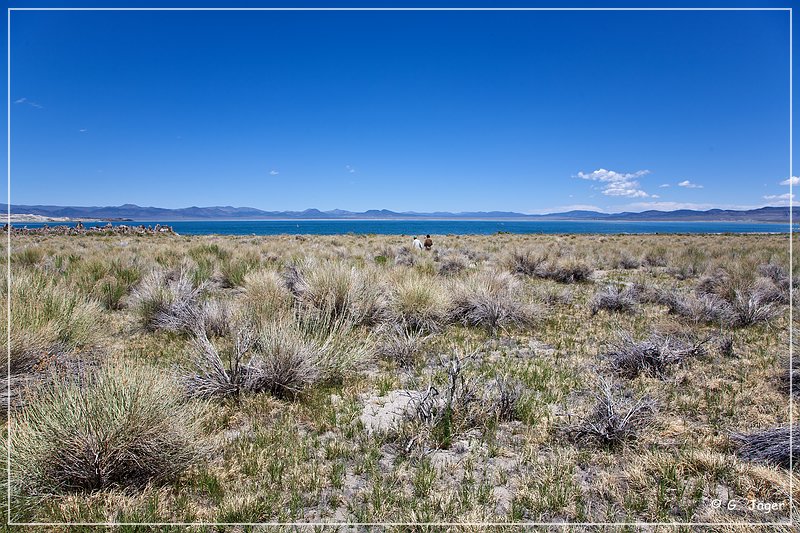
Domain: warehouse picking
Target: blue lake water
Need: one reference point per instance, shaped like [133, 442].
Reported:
[443, 227]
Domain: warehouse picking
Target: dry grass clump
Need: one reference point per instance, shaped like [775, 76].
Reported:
[614, 298]
[45, 316]
[217, 316]
[739, 301]
[526, 263]
[616, 417]
[418, 302]
[770, 446]
[401, 345]
[284, 362]
[123, 426]
[283, 358]
[404, 256]
[655, 355]
[450, 263]
[561, 269]
[569, 271]
[344, 291]
[627, 261]
[166, 302]
[219, 375]
[266, 296]
[490, 300]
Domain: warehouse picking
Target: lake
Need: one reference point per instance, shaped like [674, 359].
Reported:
[441, 227]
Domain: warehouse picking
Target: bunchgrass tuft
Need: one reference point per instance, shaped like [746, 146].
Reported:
[122, 426]
[491, 300]
[168, 304]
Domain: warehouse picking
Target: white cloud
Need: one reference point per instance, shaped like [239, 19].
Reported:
[616, 183]
[672, 206]
[794, 180]
[273, 172]
[83, 130]
[24, 100]
[663, 185]
[689, 185]
[780, 199]
[350, 169]
[655, 196]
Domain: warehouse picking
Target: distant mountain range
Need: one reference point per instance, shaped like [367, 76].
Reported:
[135, 212]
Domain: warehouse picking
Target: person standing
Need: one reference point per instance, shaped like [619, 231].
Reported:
[417, 244]
[428, 242]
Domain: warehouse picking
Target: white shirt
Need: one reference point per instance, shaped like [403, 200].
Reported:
[418, 244]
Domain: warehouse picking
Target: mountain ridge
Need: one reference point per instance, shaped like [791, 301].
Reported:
[139, 213]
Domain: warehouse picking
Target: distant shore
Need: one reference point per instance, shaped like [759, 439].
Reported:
[41, 219]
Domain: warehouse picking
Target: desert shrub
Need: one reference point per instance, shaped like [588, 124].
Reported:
[284, 363]
[717, 283]
[45, 315]
[627, 261]
[452, 264]
[215, 374]
[418, 302]
[216, 316]
[704, 308]
[654, 355]
[768, 292]
[656, 257]
[168, 304]
[724, 345]
[283, 358]
[569, 271]
[404, 256]
[562, 270]
[490, 300]
[526, 263]
[616, 416]
[265, 295]
[775, 273]
[552, 295]
[749, 308]
[343, 344]
[502, 398]
[122, 426]
[345, 292]
[614, 298]
[441, 413]
[401, 345]
[770, 446]
[690, 263]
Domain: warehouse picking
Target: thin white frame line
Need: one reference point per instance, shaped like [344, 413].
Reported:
[791, 278]
[8, 264]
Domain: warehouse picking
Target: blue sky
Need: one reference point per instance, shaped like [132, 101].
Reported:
[422, 111]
